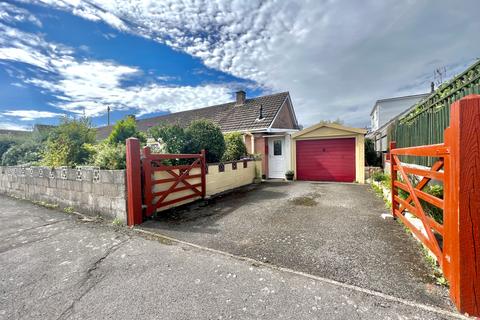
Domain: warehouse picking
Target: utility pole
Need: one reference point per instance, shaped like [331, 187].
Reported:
[108, 115]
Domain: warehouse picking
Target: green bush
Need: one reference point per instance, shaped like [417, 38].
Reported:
[371, 156]
[26, 153]
[5, 144]
[124, 129]
[234, 147]
[172, 137]
[379, 176]
[70, 143]
[110, 156]
[435, 212]
[387, 182]
[204, 134]
[436, 191]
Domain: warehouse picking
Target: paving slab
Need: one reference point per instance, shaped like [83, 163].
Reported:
[332, 230]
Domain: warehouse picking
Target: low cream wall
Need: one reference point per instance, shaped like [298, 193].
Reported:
[216, 181]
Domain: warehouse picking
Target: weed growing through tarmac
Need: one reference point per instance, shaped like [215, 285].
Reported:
[68, 210]
[304, 201]
[46, 204]
[437, 272]
[117, 222]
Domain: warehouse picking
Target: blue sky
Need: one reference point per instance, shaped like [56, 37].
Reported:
[90, 41]
[152, 57]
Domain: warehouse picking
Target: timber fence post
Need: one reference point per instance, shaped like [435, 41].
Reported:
[134, 182]
[462, 205]
[393, 176]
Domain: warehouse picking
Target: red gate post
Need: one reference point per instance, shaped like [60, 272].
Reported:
[393, 176]
[134, 182]
[462, 205]
[203, 163]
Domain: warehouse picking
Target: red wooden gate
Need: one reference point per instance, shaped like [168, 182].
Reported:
[412, 202]
[153, 184]
[165, 185]
[459, 157]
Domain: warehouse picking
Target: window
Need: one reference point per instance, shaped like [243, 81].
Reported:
[277, 147]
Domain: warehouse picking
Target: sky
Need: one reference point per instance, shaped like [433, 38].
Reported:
[336, 58]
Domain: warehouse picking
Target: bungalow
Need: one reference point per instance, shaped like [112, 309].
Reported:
[266, 123]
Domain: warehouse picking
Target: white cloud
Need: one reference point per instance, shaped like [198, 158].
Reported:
[335, 57]
[89, 86]
[13, 126]
[29, 115]
[13, 14]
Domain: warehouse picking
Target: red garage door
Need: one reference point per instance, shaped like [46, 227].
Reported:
[326, 160]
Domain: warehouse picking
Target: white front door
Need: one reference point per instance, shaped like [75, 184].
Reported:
[277, 157]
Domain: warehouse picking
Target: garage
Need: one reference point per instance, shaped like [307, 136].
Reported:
[329, 152]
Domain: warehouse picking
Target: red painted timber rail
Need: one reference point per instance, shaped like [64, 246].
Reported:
[146, 193]
[175, 179]
[458, 169]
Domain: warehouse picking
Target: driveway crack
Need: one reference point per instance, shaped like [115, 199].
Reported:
[91, 278]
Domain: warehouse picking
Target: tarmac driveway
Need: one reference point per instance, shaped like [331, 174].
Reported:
[331, 230]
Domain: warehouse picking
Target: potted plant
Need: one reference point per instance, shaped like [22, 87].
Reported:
[289, 174]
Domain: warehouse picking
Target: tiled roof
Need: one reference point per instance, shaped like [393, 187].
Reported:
[229, 116]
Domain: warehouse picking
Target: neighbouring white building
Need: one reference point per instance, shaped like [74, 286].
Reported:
[384, 113]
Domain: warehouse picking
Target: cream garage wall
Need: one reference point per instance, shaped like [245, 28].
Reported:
[332, 131]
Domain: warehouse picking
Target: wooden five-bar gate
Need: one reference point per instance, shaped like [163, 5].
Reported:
[456, 241]
[165, 185]
[153, 183]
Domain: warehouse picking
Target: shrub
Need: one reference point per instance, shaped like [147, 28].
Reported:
[26, 153]
[69, 144]
[5, 144]
[124, 129]
[387, 182]
[379, 176]
[234, 147]
[172, 137]
[204, 134]
[110, 156]
[371, 156]
[435, 212]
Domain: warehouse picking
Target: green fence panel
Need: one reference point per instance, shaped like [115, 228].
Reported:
[428, 119]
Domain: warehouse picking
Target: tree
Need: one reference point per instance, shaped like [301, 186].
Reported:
[234, 146]
[26, 153]
[5, 144]
[204, 134]
[70, 143]
[124, 129]
[371, 156]
[172, 137]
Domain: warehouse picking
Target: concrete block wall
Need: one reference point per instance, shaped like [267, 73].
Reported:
[369, 171]
[87, 190]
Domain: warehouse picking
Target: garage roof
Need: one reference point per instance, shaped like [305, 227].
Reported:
[329, 125]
